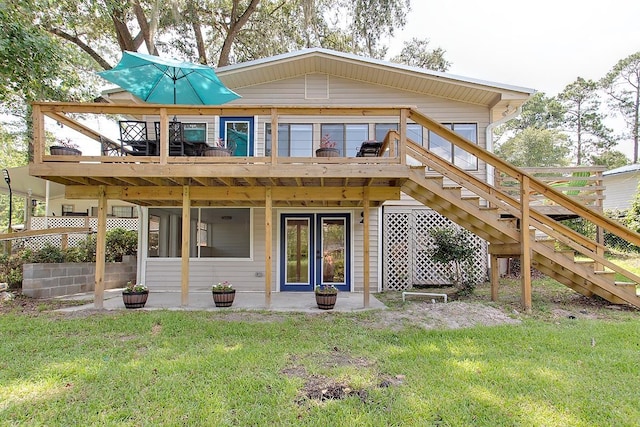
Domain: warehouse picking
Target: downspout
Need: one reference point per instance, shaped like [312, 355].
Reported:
[489, 139]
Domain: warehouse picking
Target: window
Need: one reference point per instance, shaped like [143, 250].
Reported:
[414, 131]
[455, 155]
[215, 232]
[348, 137]
[124, 211]
[294, 140]
[194, 132]
[67, 210]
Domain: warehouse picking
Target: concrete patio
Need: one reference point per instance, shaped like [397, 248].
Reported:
[202, 300]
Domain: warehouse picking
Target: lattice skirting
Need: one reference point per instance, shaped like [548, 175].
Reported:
[406, 243]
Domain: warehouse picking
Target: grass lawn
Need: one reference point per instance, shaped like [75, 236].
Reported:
[134, 368]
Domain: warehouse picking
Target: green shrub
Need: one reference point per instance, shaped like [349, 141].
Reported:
[121, 242]
[456, 250]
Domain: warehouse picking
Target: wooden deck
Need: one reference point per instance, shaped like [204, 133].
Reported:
[362, 182]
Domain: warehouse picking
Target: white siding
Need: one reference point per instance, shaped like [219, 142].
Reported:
[620, 190]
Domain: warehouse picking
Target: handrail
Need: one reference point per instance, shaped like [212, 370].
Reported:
[535, 184]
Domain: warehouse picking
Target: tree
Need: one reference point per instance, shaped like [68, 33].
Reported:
[416, 53]
[583, 120]
[611, 159]
[622, 85]
[536, 147]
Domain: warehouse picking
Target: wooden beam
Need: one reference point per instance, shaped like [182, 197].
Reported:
[101, 250]
[46, 232]
[186, 234]
[274, 136]
[525, 241]
[268, 239]
[237, 193]
[365, 249]
[164, 137]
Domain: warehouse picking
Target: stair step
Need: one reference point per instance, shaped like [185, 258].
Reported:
[607, 274]
[472, 199]
[550, 243]
[625, 284]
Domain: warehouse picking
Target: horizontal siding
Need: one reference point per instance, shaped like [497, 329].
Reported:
[165, 273]
[620, 191]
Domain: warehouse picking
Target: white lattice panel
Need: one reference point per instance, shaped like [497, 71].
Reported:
[406, 247]
[396, 251]
[41, 223]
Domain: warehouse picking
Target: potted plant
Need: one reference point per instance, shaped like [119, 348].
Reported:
[223, 294]
[218, 149]
[65, 147]
[326, 296]
[135, 296]
[327, 148]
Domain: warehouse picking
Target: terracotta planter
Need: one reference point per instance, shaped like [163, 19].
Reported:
[58, 150]
[216, 152]
[327, 152]
[326, 301]
[224, 299]
[135, 299]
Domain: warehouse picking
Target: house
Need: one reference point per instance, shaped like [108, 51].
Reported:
[621, 186]
[275, 216]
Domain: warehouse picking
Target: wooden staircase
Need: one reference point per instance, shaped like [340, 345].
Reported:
[596, 276]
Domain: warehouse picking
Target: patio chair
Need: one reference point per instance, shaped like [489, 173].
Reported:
[134, 138]
[177, 145]
[369, 149]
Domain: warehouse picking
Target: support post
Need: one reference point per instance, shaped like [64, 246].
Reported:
[525, 244]
[366, 272]
[186, 244]
[495, 277]
[268, 239]
[402, 150]
[164, 136]
[101, 248]
[274, 136]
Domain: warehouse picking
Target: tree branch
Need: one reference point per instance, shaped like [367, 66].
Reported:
[82, 45]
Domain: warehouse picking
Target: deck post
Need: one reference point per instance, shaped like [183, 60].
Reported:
[402, 150]
[495, 277]
[268, 238]
[186, 244]
[164, 136]
[274, 136]
[366, 273]
[525, 244]
[101, 248]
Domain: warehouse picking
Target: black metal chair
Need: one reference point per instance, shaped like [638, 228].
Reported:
[134, 138]
[177, 145]
[369, 149]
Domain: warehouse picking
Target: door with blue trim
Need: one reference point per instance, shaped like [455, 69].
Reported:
[315, 249]
[237, 133]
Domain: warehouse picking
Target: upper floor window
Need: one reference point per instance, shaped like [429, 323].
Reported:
[348, 137]
[294, 140]
[455, 155]
[194, 132]
[414, 131]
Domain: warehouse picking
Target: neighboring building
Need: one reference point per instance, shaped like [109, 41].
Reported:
[621, 187]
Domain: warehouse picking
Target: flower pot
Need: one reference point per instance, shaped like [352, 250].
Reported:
[327, 152]
[135, 299]
[59, 150]
[216, 152]
[326, 301]
[224, 299]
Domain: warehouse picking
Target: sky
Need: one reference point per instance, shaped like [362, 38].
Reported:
[543, 45]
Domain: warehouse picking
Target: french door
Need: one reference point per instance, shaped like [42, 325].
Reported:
[237, 132]
[315, 249]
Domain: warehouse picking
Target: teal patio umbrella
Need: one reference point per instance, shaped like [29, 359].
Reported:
[168, 81]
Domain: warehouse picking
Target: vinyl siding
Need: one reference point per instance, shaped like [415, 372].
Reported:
[620, 190]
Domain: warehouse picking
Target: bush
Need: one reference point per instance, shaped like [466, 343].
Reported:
[121, 242]
[455, 249]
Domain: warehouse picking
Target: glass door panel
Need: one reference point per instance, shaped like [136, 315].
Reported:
[297, 244]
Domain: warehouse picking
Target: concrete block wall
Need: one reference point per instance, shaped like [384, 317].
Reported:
[48, 280]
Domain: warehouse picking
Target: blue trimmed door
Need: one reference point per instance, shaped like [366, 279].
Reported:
[315, 249]
[237, 132]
